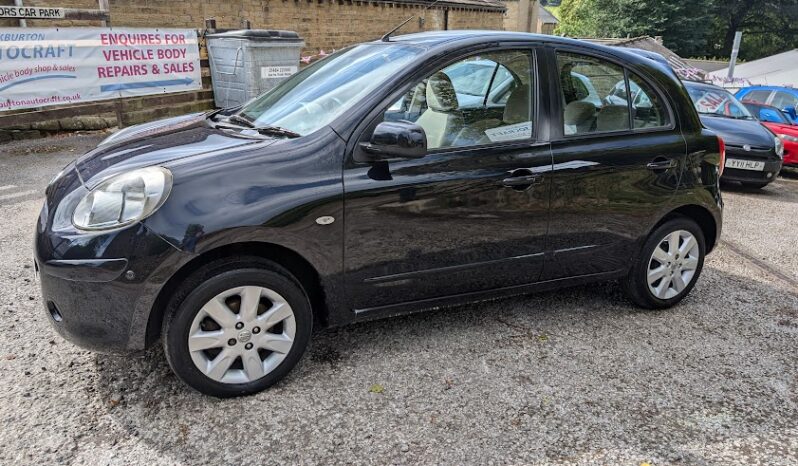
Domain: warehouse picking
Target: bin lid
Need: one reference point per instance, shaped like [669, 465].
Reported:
[263, 35]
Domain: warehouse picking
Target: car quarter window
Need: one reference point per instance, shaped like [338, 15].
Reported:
[648, 109]
[594, 95]
[784, 100]
[759, 96]
[483, 99]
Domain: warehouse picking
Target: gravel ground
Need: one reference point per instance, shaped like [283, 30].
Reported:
[569, 377]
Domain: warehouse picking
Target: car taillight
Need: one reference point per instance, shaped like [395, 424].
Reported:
[722, 148]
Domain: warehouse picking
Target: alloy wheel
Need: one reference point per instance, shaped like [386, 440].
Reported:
[242, 334]
[673, 264]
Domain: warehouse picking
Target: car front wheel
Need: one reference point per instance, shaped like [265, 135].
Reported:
[668, 265]
[237, 327]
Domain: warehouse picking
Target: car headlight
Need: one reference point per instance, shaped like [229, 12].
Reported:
[779, 147]
[123, 199]
[786, 137]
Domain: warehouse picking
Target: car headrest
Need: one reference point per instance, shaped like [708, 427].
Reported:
[579, 112]
[613, 118]
[441, 96]
[517, 109]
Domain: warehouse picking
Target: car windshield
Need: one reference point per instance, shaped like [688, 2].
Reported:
[718, 102]
[769, 114]
[317, 95]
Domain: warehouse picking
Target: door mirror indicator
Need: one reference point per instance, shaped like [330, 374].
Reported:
[394, 140]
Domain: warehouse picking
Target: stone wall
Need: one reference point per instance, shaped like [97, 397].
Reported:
[324, 24]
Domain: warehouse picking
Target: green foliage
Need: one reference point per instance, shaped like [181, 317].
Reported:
[689, 27]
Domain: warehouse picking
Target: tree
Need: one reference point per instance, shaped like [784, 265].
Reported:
[688, 27]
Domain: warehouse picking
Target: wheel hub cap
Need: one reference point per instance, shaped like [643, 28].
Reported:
[673, 264]
[221, 340]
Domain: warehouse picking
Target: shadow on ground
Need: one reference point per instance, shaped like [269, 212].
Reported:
[564, 376]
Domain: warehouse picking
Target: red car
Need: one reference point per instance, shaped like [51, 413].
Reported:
[782, 125]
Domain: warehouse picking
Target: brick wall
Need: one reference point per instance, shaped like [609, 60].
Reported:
[324, 24]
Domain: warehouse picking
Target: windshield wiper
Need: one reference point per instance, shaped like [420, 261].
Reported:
[280, 131]
[234, 118]
[267, 129]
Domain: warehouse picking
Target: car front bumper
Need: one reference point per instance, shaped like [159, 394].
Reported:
[768, 174]
[99, 287]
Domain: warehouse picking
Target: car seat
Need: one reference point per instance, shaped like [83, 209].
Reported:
[441, 120]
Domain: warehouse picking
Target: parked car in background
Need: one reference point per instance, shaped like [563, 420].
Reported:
[753, 153]
[783, 98]
[781, 125]
[360, 188]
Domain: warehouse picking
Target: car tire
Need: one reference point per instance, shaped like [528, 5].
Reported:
[221, 333]
[661, 275]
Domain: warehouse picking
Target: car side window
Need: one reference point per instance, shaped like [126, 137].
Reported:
[483, 99]
[648, 110]
[594, 95]
[784, 100]
[757, 96]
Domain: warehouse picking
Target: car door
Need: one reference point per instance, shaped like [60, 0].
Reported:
[615, 164]
[472, 214]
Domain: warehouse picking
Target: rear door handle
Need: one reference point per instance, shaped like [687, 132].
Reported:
[661, 164]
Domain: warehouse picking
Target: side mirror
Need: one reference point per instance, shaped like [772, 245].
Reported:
[792, 112]
[394, 140]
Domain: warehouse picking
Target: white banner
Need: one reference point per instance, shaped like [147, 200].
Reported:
[40, 67]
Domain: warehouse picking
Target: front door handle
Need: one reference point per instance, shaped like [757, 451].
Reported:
[661, 163]
[522, 179]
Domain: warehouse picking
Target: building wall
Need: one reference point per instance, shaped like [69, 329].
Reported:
[324, 24]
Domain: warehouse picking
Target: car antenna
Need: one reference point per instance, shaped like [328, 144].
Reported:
[387, 37]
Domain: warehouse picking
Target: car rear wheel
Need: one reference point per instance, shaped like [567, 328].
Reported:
[668, 265]
[237, 327]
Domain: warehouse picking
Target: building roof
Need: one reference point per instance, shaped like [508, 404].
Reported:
[679, 65]
[545, 16]
[776, 70]
[494, 5]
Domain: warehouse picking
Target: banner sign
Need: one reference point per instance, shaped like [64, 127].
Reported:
[40, 67]
[31, 12]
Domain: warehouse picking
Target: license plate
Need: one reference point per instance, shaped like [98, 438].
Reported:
[745, 164]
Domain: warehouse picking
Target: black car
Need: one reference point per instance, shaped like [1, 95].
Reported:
[754, 154]
[382, 180]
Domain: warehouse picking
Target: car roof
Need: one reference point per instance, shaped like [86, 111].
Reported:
[771, 88]
[438, 38]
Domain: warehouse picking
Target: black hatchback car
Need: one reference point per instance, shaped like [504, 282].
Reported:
[393, 176]
[754, 155]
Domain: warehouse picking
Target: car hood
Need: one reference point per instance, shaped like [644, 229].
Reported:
[739, 132]
[159, 142]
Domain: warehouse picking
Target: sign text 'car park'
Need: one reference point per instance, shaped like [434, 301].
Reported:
[29, 12]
